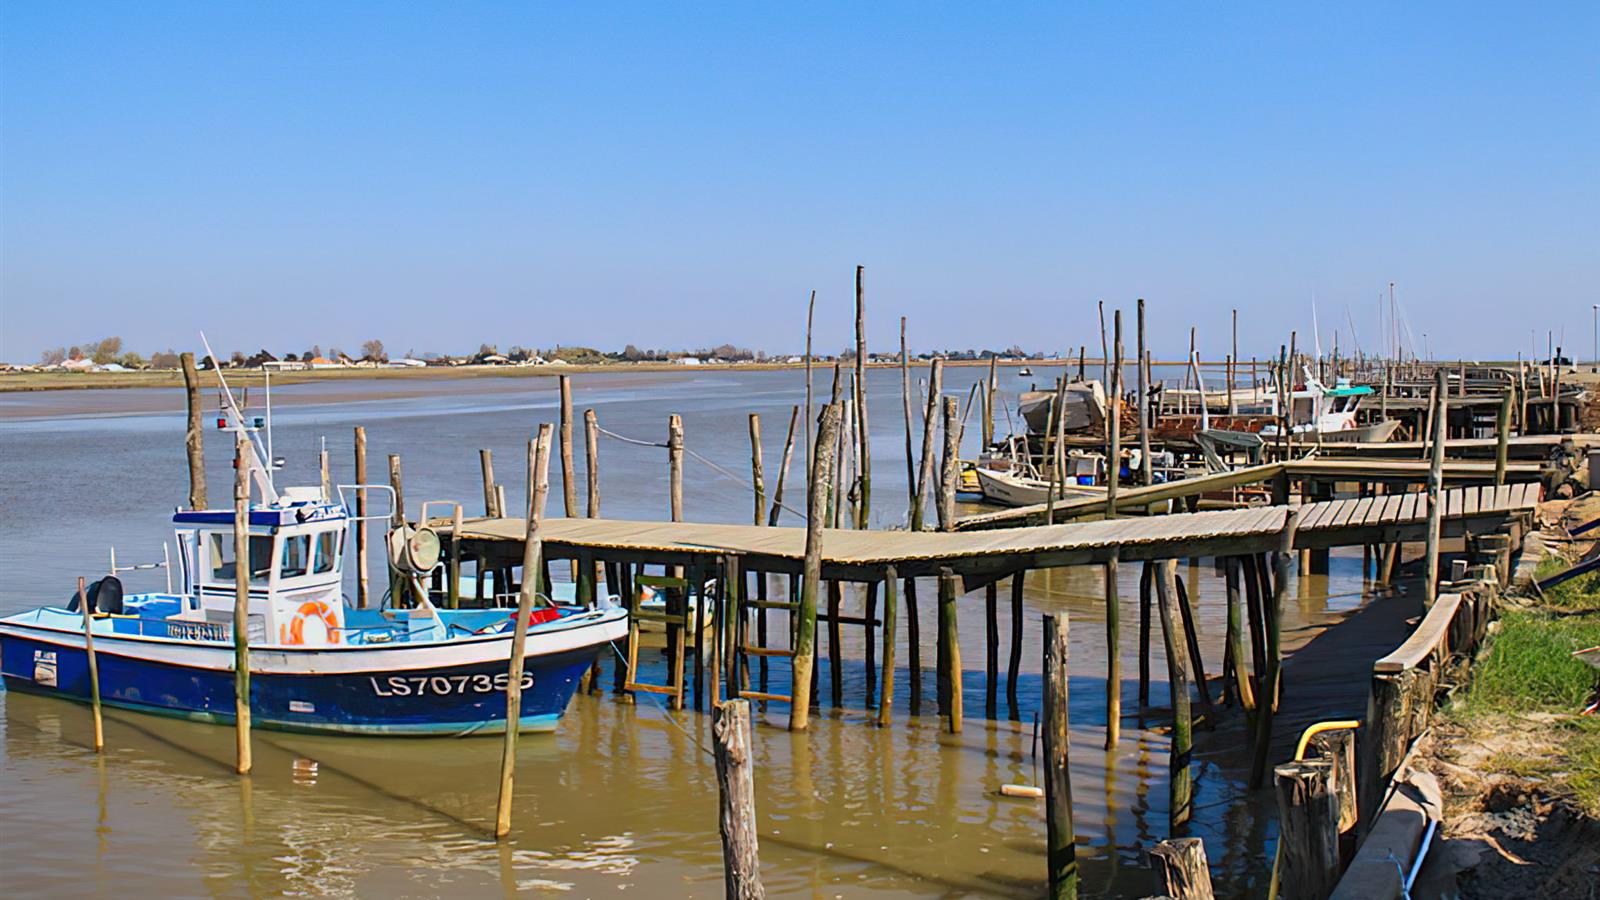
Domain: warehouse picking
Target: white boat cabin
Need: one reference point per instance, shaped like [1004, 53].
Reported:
[296, 567]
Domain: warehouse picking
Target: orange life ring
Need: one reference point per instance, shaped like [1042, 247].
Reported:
[312, 608]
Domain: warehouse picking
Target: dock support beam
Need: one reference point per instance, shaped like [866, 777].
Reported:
[816, 511]
[1181, 791]
[1060, 848]
[950, 657]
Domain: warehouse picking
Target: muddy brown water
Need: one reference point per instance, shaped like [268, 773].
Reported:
[621, 800]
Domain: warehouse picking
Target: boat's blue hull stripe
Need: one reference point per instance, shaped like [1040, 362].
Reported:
[459, 699]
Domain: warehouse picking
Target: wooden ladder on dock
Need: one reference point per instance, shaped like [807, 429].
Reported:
[738, 635]
[675, 624]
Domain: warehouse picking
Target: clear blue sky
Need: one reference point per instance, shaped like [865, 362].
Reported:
[436, 175]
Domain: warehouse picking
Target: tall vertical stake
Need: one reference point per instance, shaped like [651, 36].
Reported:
[94, 666]
[1143, 366]
[811, 577]
[397, 518]
[783, 470]
[891, 598]
[1267, 701]
[811, 309]
[950, 474]
[741, 858]
[758, 480]
[925, 471]
[363, 581]
[193, 436]
[949, 636]
[532, 560]
[1061, 851]
[1113, 653]
[863, 444]
[569, 476]
[905, 403]
[242, 563]
[490, 505]
[1180, 807]
[675, 466]
[591, 446]
[1430, 587]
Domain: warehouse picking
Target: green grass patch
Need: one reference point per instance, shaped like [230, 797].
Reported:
[1582, 592]
[1529, 665]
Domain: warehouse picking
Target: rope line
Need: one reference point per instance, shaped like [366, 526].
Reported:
[737, 479]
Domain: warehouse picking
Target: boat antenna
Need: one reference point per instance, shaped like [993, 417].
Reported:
[236, 422]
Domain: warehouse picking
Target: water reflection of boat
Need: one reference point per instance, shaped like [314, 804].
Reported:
[316, 664]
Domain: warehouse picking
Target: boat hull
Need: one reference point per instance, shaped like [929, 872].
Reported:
[452, 688]
[1010, 490]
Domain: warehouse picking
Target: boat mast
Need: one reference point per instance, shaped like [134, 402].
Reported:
[261, 473]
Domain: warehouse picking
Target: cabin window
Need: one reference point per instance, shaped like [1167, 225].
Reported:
[327, 551]
[296, 556]
[222, 556]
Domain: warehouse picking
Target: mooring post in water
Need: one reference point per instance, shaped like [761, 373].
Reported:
[193, 435]
[1142, 364]
[758, 479]
[591, 447]
[1267, 703]
[1113, 647]
[1019, 582]
[363, 597]
[1430, 586]
[905, 404]
[569, 475]
[532, 561]
[741, 859]
[988, 404]
[242, 563]
[1061, 852]
[810, 582]
[1146, 585]
[891, 597]
[675, 466]
[397, 518]
[1185, 873]
[1180, 806]
[94, 666]
[949, 639]
[991, 640]
[783, 470]
[835, 652]
[486, 464]
[1237, 674]
[1113, 423]
[1308, 828]
[925, 473]
[863, 445]
[950, 473]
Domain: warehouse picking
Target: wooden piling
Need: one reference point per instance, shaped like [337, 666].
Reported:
[991, 641]
[1338, 748]
[811, 309]
[569, 474]
[675, 466]
[949, 638]
[1060, 847]
[486, 465]
[363, 581]
[94, 666]
[591, 447]
[913, 646]
[863, 444]
[1113, 648]
[1308, 828]
[811, 577]
[327, 479]
[758, 480]
[1430, 587]
[398, 589]
[1018, 586]
[1191, 638]
[1146, 586]
[988, 404]
[1145, 476]
[891, 596]
[1502, 431]
[194, 434]
[1183, 869]
[905, 403]
[925, 471]
[783, 469]
[1181, 789]
[741, 859]
[835, 653]
[950, 475]
[1267, 703]
[532, 562]
[1238, 675]
[242, 456]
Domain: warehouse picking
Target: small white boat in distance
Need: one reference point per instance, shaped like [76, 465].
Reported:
[1008, 489]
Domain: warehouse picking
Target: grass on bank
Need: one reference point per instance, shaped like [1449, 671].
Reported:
[1528, 667]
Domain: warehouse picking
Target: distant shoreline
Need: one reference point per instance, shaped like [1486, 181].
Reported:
[21, 382]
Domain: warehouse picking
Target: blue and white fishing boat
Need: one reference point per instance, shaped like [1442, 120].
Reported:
[317, 663]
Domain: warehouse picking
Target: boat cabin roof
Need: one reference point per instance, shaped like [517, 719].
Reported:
[293, 513]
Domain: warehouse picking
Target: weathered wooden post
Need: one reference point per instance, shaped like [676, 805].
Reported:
[675, 466]
[1185, 874]
[1146, 587]
[397, 517]
[1338, 748]
[94, 666]
[950, 657]
[1114, 424]
[532, 561]
[988, 405]
[591, 441]
[327, 479]
[925, 471]
[758, 479]
[1181, 788]
[891, 596]
[242, 456]
[1267, 702]
[950, 474]
[1113, 654]
[1019, 582]
[490, 504]
[1502, 432]
[1061, 851]
[1143, 365]
[1235, 636]
[805, 643]
[1430, 587]
[811, 309]
[569, 475]
[363, 596]
[741, 859]
[991, 642]
[905, 404]
[863, 445]
[1308, 828]
[783, 468]
[193, 435]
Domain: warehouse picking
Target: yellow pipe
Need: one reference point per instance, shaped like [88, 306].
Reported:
[1299, 754]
